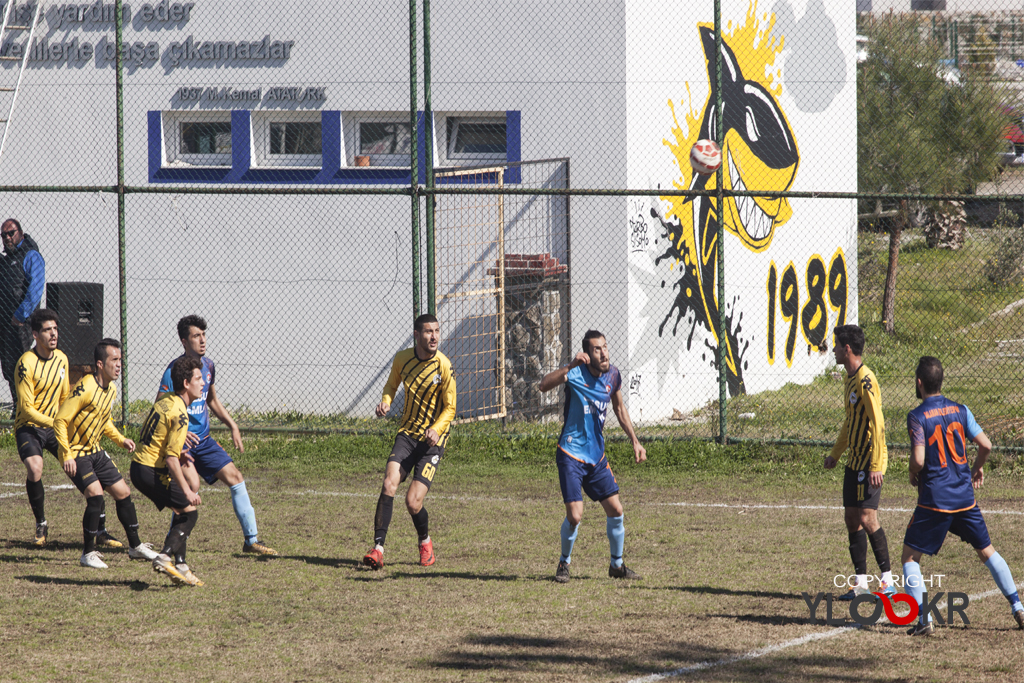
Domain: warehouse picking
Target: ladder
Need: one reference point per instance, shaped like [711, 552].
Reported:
[5, 27]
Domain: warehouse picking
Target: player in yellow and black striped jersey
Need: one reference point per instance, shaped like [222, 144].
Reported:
[429, 382]
[862, 436]
[158, 469]
[82, 419]
[41, 384]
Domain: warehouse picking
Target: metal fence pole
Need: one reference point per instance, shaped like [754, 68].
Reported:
[121, 242]
[428, 156]
[414, 164]
[723, 341]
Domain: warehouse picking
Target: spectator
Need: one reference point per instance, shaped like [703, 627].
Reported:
[22, 278]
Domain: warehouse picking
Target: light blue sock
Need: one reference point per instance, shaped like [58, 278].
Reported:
[1004, 579]
[243, 510]
[913, 583]
[568, 539]
[616, 539]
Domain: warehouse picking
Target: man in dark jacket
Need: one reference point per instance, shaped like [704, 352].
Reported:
[22, 279]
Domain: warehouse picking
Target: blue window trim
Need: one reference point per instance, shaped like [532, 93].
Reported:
[332, 172]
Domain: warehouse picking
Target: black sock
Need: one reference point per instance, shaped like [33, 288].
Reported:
[880, 546]
[419, 520]
[859, 551]
[382, 520]
[102, 528]
[129, 520]
[173, 540]
[91, 522]
[36, 496]
[178, 535]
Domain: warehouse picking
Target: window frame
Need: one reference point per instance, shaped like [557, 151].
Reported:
[450, 138]
[173, 122]
[261, 123]
[381, 160]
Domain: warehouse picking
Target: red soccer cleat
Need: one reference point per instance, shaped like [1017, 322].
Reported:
[427, 553]
[374, 559]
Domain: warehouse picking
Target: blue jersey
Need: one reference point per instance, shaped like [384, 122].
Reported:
[198, 412]
[943, 427]
[586, 405]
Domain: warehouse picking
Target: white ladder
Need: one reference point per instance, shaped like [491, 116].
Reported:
[4, 90]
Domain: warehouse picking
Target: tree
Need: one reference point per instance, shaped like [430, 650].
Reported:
[919, 132]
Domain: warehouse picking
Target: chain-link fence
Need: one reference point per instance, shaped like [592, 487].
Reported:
[307, 178]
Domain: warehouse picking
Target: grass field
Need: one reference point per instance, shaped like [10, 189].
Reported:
[722, 577]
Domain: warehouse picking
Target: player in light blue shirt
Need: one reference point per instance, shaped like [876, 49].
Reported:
[591, 384]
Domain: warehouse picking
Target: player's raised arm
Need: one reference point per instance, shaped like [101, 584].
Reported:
[622, 415]
[558, 377]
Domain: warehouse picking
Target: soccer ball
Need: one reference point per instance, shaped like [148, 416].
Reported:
[705, 157]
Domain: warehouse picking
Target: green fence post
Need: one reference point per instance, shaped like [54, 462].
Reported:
[723, 340]
[414, 164]
[428, 157]
[121, 243]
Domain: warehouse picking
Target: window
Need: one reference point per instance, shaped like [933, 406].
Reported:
[387, 143]
[287, 138]
[476, 139]
[198, 138]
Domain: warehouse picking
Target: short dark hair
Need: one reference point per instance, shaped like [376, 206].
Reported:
[16, 223]
[39, 317]
[852, 336]
[100, 352]
[182, 370]
[929, 371]
[190, 321]
[423, 320]
[591, 334]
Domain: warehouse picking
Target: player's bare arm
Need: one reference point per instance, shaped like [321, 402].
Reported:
[622, 415]
[382, 409]
[218, 409]
[558, 377]
[984, 448]
[129, 445]
[916, 463]
[875, 479]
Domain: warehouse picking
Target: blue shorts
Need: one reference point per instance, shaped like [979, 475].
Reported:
[927, 529]
[576, 476]
[210, 458]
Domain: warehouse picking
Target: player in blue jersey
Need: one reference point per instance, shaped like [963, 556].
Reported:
[211, 460]
[591, 383]
[939, 430]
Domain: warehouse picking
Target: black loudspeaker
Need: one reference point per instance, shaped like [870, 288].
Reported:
[79, 309]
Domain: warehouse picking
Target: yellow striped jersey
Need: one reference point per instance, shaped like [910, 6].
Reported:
[83, 418]
[163, 432]
[863, 430]
[429, 393]
[42, 385]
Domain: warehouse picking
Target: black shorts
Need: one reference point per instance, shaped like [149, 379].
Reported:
[158, 485]
[857, 491]
[34, 440]
[95, 467]
[416, 457]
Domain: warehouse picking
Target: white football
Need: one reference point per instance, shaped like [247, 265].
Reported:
[705, 157]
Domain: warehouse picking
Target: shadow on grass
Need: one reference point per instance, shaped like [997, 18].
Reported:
[28, 545]
[708, 590]
[131, 583]
[321, 561]
[427, 574]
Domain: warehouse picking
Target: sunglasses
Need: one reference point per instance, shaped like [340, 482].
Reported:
[9, 233]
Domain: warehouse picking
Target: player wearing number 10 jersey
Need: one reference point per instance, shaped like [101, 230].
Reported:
[939, 430]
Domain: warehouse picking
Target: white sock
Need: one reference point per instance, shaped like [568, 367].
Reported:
[862, 581]
[887, 577]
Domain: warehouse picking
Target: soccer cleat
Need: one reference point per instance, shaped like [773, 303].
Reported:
[427, 553]
[257, 548]
[921, 629]
[374, 559]
[143, 551]
[162, 564]
[42, 531]
[188, 577]
[622, 572]
[1019, 618]
[887, 589]
[92, 560]
[105, 540]
[562, 573]
[856, 592]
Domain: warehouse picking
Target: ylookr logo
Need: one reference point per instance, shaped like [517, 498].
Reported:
[956, 603]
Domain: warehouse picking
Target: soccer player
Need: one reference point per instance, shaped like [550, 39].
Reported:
[426, 374]
[80, 422]
[158, 472]
[41, 384]
[863, 432]
[591, 381]
[211, 460]
[939, 430]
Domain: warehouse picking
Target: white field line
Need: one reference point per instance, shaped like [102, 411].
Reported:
[795, 642]
[495, 499]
